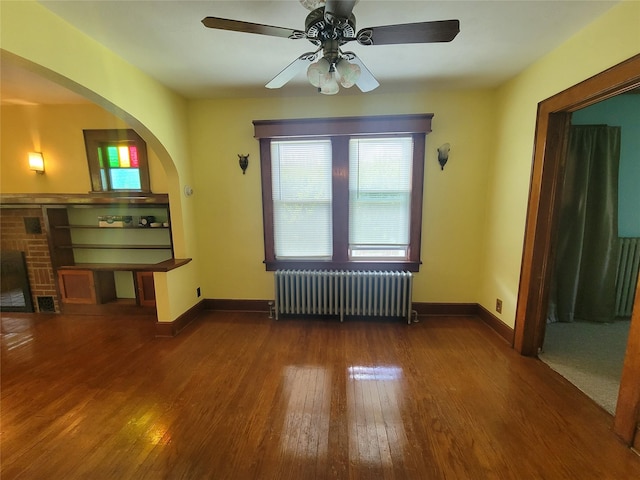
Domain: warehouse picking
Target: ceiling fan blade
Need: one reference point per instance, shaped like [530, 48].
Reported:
[247, 27]
[292, 70]
[367, 81]
[423, 32]
[339, 8]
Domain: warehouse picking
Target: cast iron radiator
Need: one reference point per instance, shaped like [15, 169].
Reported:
[628, 265]
[343, 293]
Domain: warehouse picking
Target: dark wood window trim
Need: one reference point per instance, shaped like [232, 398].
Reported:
[340, 130]
[94, 139]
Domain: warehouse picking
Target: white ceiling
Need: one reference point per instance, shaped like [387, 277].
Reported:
[167, 40]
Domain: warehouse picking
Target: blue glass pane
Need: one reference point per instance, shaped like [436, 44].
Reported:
[125, 179]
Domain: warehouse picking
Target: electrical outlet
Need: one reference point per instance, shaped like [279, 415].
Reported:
[198, 291]
[498, 305]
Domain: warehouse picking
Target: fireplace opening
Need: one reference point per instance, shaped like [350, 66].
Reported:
[15, 294]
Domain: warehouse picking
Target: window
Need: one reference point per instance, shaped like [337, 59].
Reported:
[380, 197]
[301, 188]
[117, 161]
[344, 192]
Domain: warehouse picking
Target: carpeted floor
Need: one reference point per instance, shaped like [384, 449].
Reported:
[589, 355]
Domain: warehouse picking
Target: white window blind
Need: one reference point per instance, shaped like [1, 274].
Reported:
[380, 196]
[301, 188]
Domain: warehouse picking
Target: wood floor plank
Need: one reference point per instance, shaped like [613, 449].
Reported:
[239, 396]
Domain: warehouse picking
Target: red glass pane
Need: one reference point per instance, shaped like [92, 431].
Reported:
[133, 156]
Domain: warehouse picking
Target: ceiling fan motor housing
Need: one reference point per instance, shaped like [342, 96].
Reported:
[320, 27]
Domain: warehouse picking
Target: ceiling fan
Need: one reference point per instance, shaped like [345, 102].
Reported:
[330, 25]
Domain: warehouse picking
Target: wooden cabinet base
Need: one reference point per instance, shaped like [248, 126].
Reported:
[86, 286]
[145, 289]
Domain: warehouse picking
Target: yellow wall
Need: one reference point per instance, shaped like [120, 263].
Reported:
[229, 205]
[474, 210]
[32, 36]
[56, 131]
[609, 40]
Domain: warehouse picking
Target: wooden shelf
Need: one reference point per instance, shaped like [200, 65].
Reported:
[91, 199]
[164, 266]
[119, 246]
[117, 229]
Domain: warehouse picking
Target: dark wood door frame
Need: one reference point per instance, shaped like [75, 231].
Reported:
[550, 142]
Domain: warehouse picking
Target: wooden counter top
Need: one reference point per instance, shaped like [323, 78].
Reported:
[165, 266]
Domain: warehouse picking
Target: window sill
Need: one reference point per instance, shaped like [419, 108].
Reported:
[406, 265]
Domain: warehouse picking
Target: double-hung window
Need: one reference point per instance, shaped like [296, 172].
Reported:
[380, 197]
[343, 193]
[301, 187]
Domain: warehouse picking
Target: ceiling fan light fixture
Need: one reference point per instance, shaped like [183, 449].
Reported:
[349, 73]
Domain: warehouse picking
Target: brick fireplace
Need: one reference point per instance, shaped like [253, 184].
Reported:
[24, 230]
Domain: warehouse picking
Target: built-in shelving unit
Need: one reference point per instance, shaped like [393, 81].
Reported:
[92, 243]
[98, 264]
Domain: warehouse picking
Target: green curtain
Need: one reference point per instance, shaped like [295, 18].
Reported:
[583, 286]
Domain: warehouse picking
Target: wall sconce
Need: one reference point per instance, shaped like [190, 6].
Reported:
[244, 162]
[443, 154]
[36, 162]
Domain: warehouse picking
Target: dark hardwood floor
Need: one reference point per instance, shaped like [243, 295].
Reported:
[239, 396]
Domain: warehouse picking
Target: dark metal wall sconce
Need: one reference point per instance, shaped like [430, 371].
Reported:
[443, 154]
[244, 162]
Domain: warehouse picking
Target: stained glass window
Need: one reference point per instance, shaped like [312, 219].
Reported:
[121, 172]
[117, 160]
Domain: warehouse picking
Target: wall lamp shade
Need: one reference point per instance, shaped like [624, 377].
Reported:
[36, 162]
[443, 154]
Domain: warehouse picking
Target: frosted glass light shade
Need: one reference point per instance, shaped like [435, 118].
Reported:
[312, 4]
[349, 73]
[317, 72]
[330, 87]
[36, 162]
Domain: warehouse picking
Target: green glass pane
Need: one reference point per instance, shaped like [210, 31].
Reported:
[100, 162]
[112, 155]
